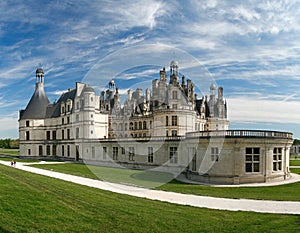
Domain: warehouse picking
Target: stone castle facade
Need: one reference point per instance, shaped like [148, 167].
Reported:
[167, 127]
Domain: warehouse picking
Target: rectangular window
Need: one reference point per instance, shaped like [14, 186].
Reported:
[48, 135]
[150, 154]
[54, 150]
[77, 133]
[174, 120]
[27, 123]
[27, 135]
[104, 152]
[123, 150]
[48, 150]
[131, 153]
[62, 150]
[68, 120]
[68, 134]
[93, 152]
[214, 152]
[252, 159]
[29, 152]
[40, 150]
[167, 120]
[62, 134]
[174, 106]
[173, 155]
[68, 150]
[115, 153]
[174, 133]
[62, 121]
[77, 117]
[277, 159]
[54, 135]
[174, 95]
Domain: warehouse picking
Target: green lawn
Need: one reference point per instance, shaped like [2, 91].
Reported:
[13, 152]
[295, 162]
[290, 192]
[34, 203]
[18, 160]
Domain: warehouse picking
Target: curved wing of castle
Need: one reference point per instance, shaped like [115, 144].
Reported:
[168, 127]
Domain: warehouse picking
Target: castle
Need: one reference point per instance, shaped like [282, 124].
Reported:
[167, 127]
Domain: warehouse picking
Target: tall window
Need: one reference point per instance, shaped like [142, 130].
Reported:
[277, 159]
[48, 150]
[131, 153]
[174, 95]
[62, 121]
[62, 150]
[27, 123]
[27, 135]
[115, 153]
[54, 135]
[68, 120]
[93, 152]
[135, 125]
[214, 153]
[252, 159]
[140, 125]
[174, 133]
[68, 134]
[173, 155]
[77, 117]
[167, 120]
[77, 133]
[104, 152]
[48, 135]
[150, 154]
[54, 150]
[68, 151]
[123, 150]
[62, 134]
[144, 125]
[174, 120]
[40, 150]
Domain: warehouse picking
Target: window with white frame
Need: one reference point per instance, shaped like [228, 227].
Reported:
[131, 153]
[173, 155]
[150, 154]
[214, 153]
[252, 159]
[277, 159]
[115, 153]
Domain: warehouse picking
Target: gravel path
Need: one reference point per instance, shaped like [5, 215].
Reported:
[279, 207]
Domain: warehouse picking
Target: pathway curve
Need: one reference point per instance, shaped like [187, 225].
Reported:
[278, 207]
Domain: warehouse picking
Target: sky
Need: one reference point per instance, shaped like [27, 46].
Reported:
[250, 48]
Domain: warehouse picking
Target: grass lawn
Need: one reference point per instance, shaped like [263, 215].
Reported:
[288, 192]
[295, 162]
[13, 152]
[34, 203]
[19, 160]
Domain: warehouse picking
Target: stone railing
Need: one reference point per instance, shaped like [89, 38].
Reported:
[241, 133]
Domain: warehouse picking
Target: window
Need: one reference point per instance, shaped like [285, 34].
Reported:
[93, 152]
[27, 123]
[214, 152]
[131, 126]
[104, 152]
[54, 150]
[92, 99]
[135, 125]
[174, 106]
[69, 108]
[29, 152]
[40, 150]
[252, 159]
[151, 125]
[27, 135]
[126, 126]
[174, 120]
[167, 120]
[48, 150]
[62, 121]
[62, 150]
[131, 153]
[77, 133]
[92, 115]
[68, 120]
[77, 117]
[277, 159]
[62, 134]
[173, 155]
[48, 135]
[150, 154]
[54, 135]
[123, 150]
[77, 105]
[63, 110]
[115, 153]
[144, 125]
[68, 134]
[167, 133]
[68, 150]
[174, 133]
[174, 95]
[140, 125]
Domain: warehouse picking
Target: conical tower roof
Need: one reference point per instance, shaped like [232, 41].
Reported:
[37, 106]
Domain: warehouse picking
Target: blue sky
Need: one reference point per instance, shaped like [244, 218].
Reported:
[251, 48]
